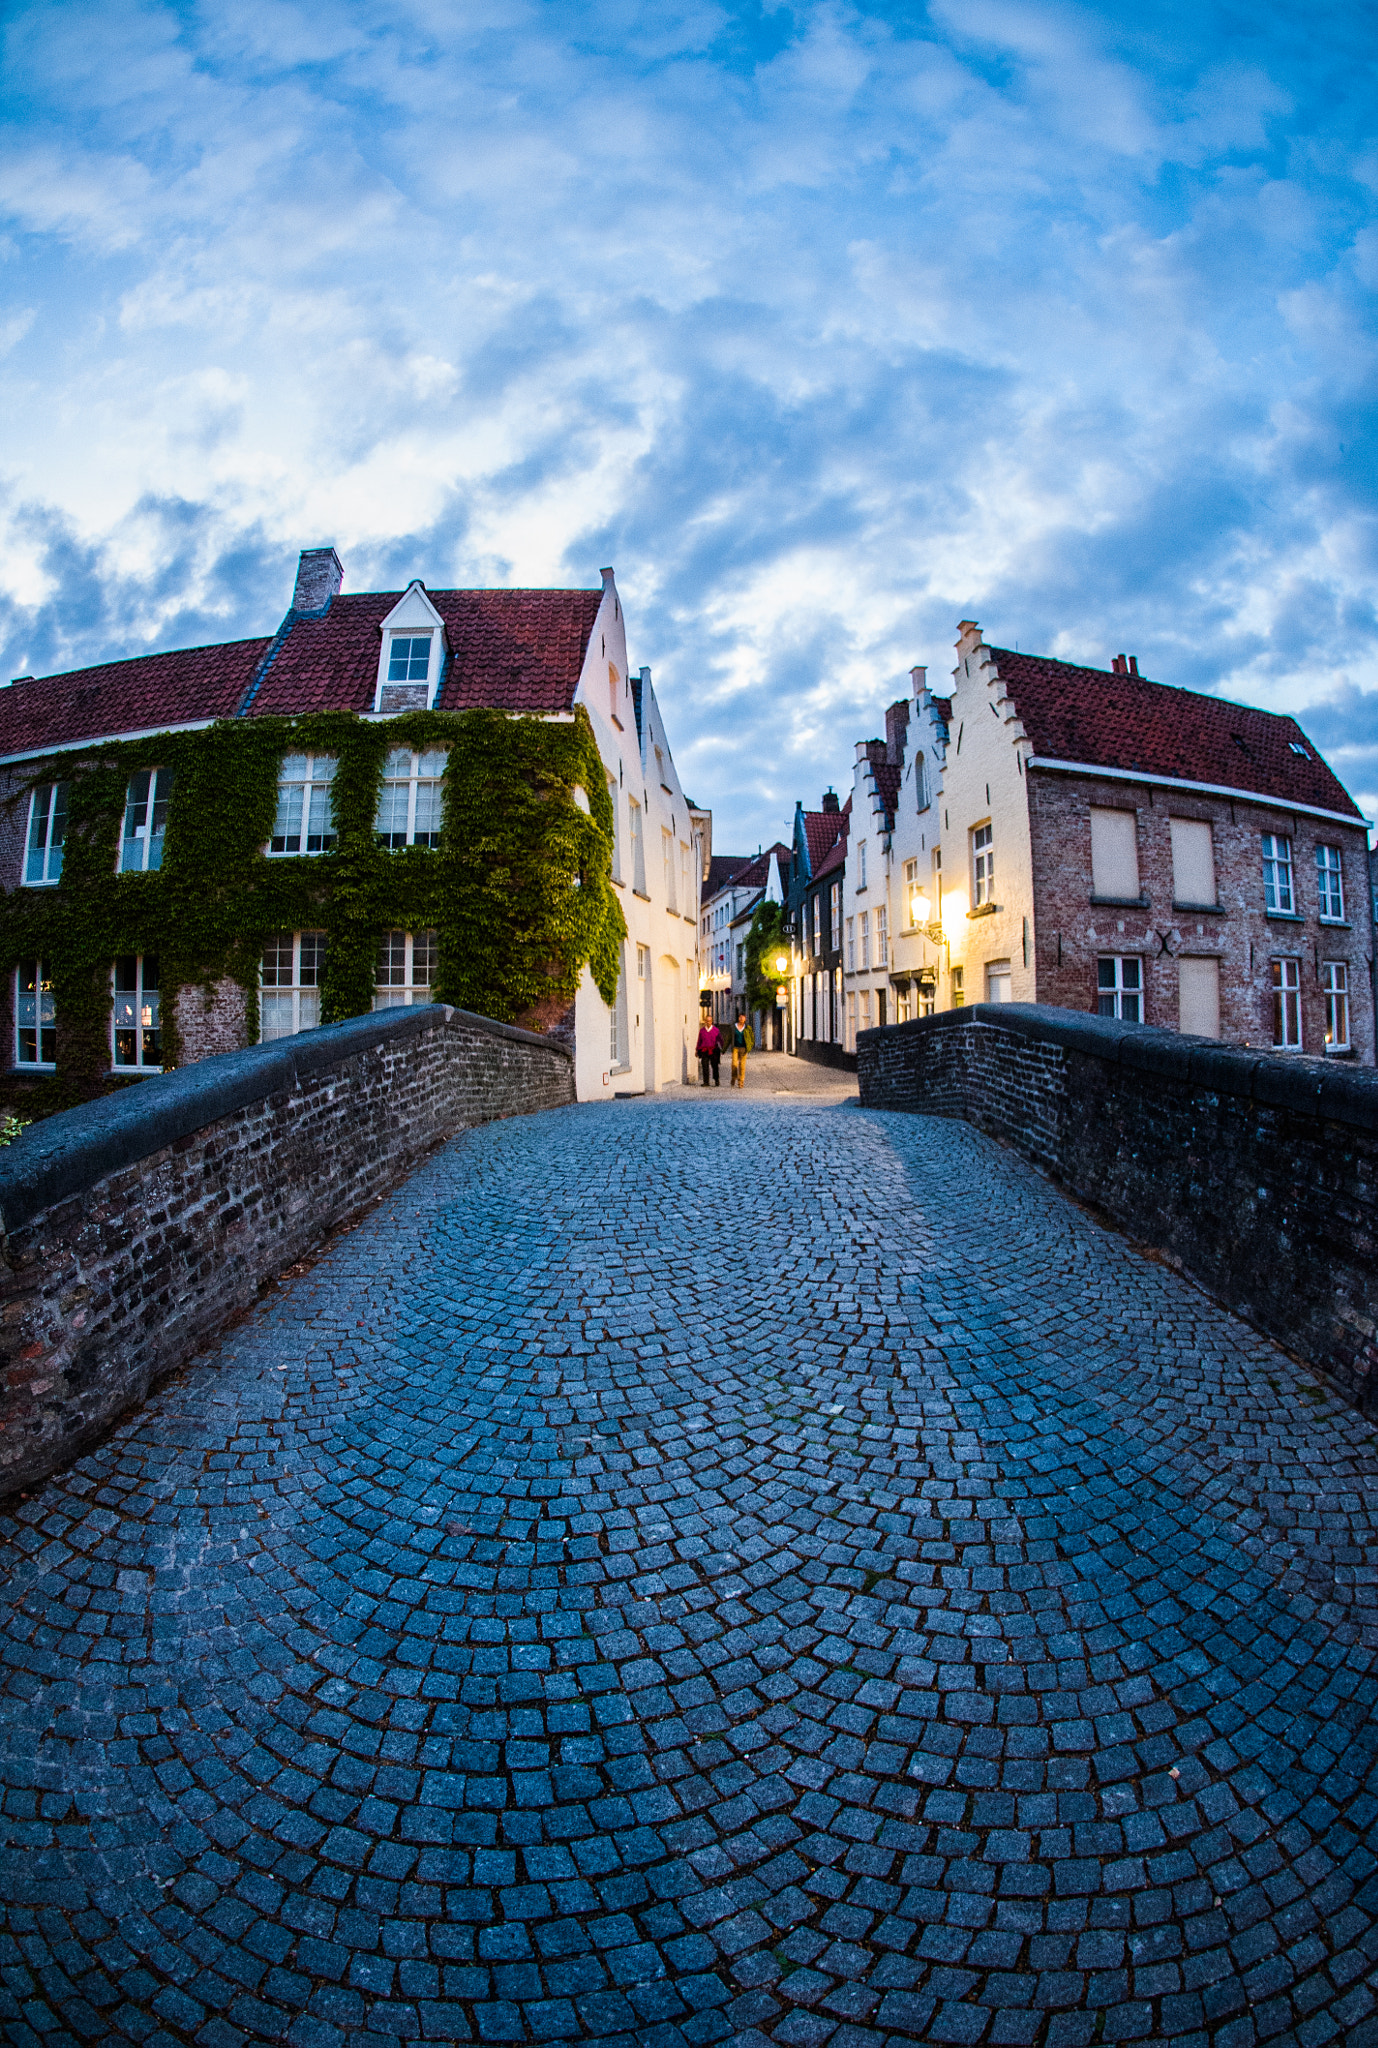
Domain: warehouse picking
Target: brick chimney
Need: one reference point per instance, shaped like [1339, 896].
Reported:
[1125, 665]
[319, 576]
[896, 728]
[831, 805]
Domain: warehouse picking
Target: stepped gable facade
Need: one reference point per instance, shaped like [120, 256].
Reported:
[533, 653]
[1100, 841]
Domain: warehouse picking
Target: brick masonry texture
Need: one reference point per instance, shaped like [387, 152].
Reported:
[1257, 1174]
[133, 1227]
[899, 1612]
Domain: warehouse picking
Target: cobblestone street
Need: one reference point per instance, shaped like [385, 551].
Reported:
[713, 1568]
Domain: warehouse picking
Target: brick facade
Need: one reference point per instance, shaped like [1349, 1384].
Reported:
[1256, 1174]
[135, 1226]
[1072, 931]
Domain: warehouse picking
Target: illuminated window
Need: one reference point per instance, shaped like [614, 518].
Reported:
[1335, 988]
[47, 831]
[145, 820]
[1287, 1005]
[136, 1027]
[35, 1016]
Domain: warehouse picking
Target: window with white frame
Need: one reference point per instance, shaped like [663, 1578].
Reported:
[957, 980]
[47, 832]
[616, 828]
[35, 1015]
[410, 800]
[1335, 989]
[305, 821]
[834, 914]
[851, 1018]
[1287, 1005]
[1330, 887]
[145, 820]
[818, 922]
[913, 894]
[982, 866]
[864, 934]
[638, 847]
[409, 658]
[1120, 987]
[406, 968]
[643, 962]
[866, 1009]
[136, 1034]
[1277, 875]
[861, 865]
[920, 781]
[851, 945]
[999, 983]
[882, 937]
[289, 982]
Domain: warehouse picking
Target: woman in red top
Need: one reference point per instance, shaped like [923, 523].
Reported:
[709, 1050]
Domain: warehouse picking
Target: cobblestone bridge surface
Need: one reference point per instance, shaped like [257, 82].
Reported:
[709, 1569]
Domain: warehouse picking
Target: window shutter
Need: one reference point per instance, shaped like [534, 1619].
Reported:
[1114, 853]
[1193, 863]
[1198, 993]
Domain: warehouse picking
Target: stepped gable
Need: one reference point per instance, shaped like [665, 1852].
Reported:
[511, 650]
[145, 694]
[1106, 720]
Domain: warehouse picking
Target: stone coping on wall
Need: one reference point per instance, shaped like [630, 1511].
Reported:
[1339, 1093]
[72, 1150]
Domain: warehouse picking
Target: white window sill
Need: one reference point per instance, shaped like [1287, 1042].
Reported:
[55, 883]
[41, 1068]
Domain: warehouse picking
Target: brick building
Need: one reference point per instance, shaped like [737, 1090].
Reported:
[1094, 840]
[539, 655]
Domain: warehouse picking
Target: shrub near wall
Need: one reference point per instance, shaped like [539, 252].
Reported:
[1255, 1173]
[134, 1227]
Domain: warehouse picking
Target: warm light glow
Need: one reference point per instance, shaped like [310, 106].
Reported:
[781, 962]
[954, 914]
[919, 907]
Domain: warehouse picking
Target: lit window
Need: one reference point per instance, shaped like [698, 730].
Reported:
[818, 922]
[1287, 1005]
[409, 658]
[982, 866]
[1120, 987]
[409, 802]
[47, 831]
[305, 821]
[145, 820]
[290, 984]
[1335, 987]
[1330, 887]
[915, 903]
[136, 1028]
[1277, 873]
[959, 993]
[35, 1016]
[834, 913]
[406, 969]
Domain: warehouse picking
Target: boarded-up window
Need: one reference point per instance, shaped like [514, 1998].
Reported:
[1115, 853]
[1198, 997]
[1193, 861]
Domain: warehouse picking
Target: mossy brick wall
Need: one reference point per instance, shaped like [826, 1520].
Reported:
[1257, 1174]
[134, 1227]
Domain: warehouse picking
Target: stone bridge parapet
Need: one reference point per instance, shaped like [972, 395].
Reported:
[134, 1227]
[1256, 1173]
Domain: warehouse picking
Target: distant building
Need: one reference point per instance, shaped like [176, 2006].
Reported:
[1094, 840]
[725, 921]
[817, 884]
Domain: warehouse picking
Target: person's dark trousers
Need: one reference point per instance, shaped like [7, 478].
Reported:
[703, 1068]
[717, 1060]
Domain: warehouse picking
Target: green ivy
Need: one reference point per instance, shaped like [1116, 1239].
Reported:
[767, 935]
[518, 890]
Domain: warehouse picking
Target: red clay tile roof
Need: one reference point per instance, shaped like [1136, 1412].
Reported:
[820, 831]
[515, 650]
[149, 692]
[1124, 721]
[888, 784]
[837, 853]
[756, 873]
[721, 867]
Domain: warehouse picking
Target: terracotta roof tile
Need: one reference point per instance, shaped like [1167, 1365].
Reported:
[721, 868]
[1106, 720]
[141, 695]
[820, 830]
[837, 854]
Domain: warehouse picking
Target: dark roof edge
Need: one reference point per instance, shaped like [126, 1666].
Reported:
[69, 1152]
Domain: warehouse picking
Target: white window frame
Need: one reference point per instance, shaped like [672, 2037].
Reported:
[982, 865]
[998, 972]
[1279, 893]
[667, 853]
[817, 922]
[305, 1005]
[1330, 883]
[42, 1020]
[851, 945]
[864, 938]
[418, 776]
[865, 1020]
[613, 794]
[913, 889]
[309, 781]
[882, 936]
[1335, 989]
[137, 1010]
[392, 654]
[418, 959]
[1287, 1022]
[1124, 990]
[643, 963]
[638, 839]
[835, 917]
[921, 781]
[141, 845]
[861, 864]
[48, 807]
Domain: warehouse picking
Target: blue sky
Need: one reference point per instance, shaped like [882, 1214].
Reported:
[828, 325]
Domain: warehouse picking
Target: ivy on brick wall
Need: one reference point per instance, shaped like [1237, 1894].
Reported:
[518, 890]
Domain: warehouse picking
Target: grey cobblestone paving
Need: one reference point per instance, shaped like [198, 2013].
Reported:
[705, 1570]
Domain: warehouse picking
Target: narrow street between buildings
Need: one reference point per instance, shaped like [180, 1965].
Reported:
[720, 1567]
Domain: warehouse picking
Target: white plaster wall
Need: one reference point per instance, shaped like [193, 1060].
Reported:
[916, 835]
[982, 780]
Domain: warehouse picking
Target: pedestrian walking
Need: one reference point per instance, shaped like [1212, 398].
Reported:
[743, 1039]
[709, 1050]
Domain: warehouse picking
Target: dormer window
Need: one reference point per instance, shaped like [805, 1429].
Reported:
[411, 660]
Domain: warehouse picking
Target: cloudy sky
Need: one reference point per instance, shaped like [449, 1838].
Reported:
[826, 324]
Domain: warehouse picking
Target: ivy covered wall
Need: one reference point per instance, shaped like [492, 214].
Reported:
[518, 890]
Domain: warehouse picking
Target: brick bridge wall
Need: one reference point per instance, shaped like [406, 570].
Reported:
[132, 1228]
[1255, 1173]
